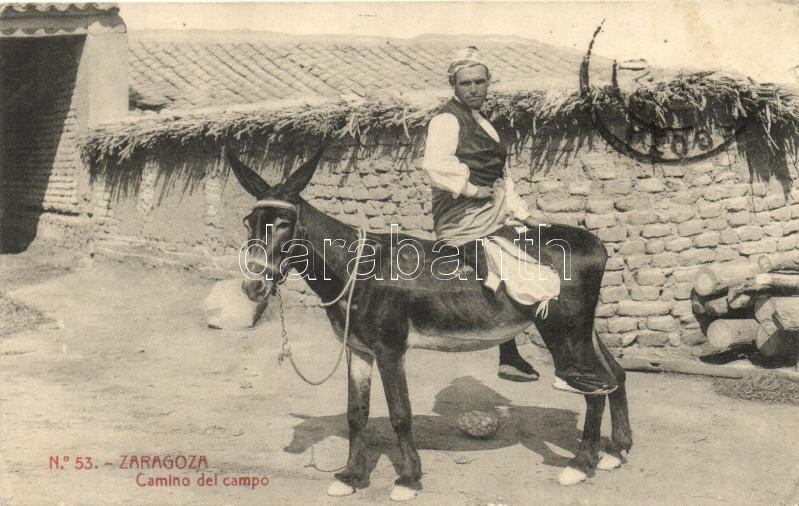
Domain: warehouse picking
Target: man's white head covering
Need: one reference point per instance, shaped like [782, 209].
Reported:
[466, 57]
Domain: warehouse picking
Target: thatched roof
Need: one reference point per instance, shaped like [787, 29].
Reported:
[549, 116]
[264, 89]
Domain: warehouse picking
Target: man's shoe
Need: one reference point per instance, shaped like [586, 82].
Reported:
[582, 384]
[559, 384]
[518, 370]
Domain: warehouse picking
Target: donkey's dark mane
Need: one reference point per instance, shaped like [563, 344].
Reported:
[320, 226]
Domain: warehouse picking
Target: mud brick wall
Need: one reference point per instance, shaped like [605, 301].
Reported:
[40, 155]
[40, 162]
[660, 223]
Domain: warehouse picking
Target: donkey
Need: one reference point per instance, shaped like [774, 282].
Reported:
[387, 317]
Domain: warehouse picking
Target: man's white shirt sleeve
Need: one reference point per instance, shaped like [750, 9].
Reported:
[440, 163]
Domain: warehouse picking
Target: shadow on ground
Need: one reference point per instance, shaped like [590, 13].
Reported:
[529, 426]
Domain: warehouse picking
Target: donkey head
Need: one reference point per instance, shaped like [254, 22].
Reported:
[273, 222]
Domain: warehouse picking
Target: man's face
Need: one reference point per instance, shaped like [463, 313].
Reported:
[471, 85]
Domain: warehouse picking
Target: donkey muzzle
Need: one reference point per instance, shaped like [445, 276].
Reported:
[255, 290]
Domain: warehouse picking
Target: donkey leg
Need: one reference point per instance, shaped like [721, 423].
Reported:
[392, 372]
[588, 454]
[621, 438]
[360, 380]
[621, 433]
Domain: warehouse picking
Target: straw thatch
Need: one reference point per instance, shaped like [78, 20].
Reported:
[547, 117]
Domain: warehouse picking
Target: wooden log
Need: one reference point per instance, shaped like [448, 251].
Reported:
[741, 301]
[719, 306]
[684, 366]
[680, 366]
[784, 311]
[696, 367]
[697, 304]
[716, 308]
[716, 279]
[785, 284]
[781, 281]
[723, 334]
[772, 340]
[779, 262]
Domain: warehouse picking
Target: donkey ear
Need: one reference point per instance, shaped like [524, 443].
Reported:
[248, 178]
[300, 177]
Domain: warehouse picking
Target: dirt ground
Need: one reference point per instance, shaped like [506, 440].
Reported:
[126, 366]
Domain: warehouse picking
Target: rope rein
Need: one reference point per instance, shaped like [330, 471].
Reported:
[349, 287]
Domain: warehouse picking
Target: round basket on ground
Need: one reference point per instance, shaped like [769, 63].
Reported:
[479, 424]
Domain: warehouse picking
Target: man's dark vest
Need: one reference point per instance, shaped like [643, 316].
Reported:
[483, 155]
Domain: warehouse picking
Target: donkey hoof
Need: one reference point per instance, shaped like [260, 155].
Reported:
[571, 476]
[401, 493]
[608, 462]
[340, 489]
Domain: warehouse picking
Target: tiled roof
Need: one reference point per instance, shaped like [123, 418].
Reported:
[56, 19]
[61, 9]
[179, 70]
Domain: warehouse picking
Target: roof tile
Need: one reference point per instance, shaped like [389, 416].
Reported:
[195, 71]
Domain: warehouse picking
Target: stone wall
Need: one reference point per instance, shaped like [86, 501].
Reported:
[659, 222]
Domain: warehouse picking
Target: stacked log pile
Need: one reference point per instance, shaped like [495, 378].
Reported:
[755, 302]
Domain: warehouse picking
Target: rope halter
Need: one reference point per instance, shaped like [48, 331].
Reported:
[282, 204]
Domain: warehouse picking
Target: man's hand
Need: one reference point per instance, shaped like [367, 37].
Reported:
[484, 192]
[533, 222]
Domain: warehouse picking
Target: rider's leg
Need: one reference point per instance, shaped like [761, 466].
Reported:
[512, 366]
[578, 368]
[567, 327]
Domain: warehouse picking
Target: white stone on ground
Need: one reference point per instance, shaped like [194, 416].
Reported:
[227, 307]
[339, 489]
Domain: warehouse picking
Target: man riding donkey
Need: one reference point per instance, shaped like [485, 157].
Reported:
[474, 200]
[380, 319]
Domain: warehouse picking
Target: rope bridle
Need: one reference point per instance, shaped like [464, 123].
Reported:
[283, 204]
[349, 288]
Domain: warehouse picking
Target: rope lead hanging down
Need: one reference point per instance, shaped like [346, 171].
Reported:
[285, 351]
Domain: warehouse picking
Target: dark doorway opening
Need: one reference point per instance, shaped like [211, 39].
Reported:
[39, 154]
